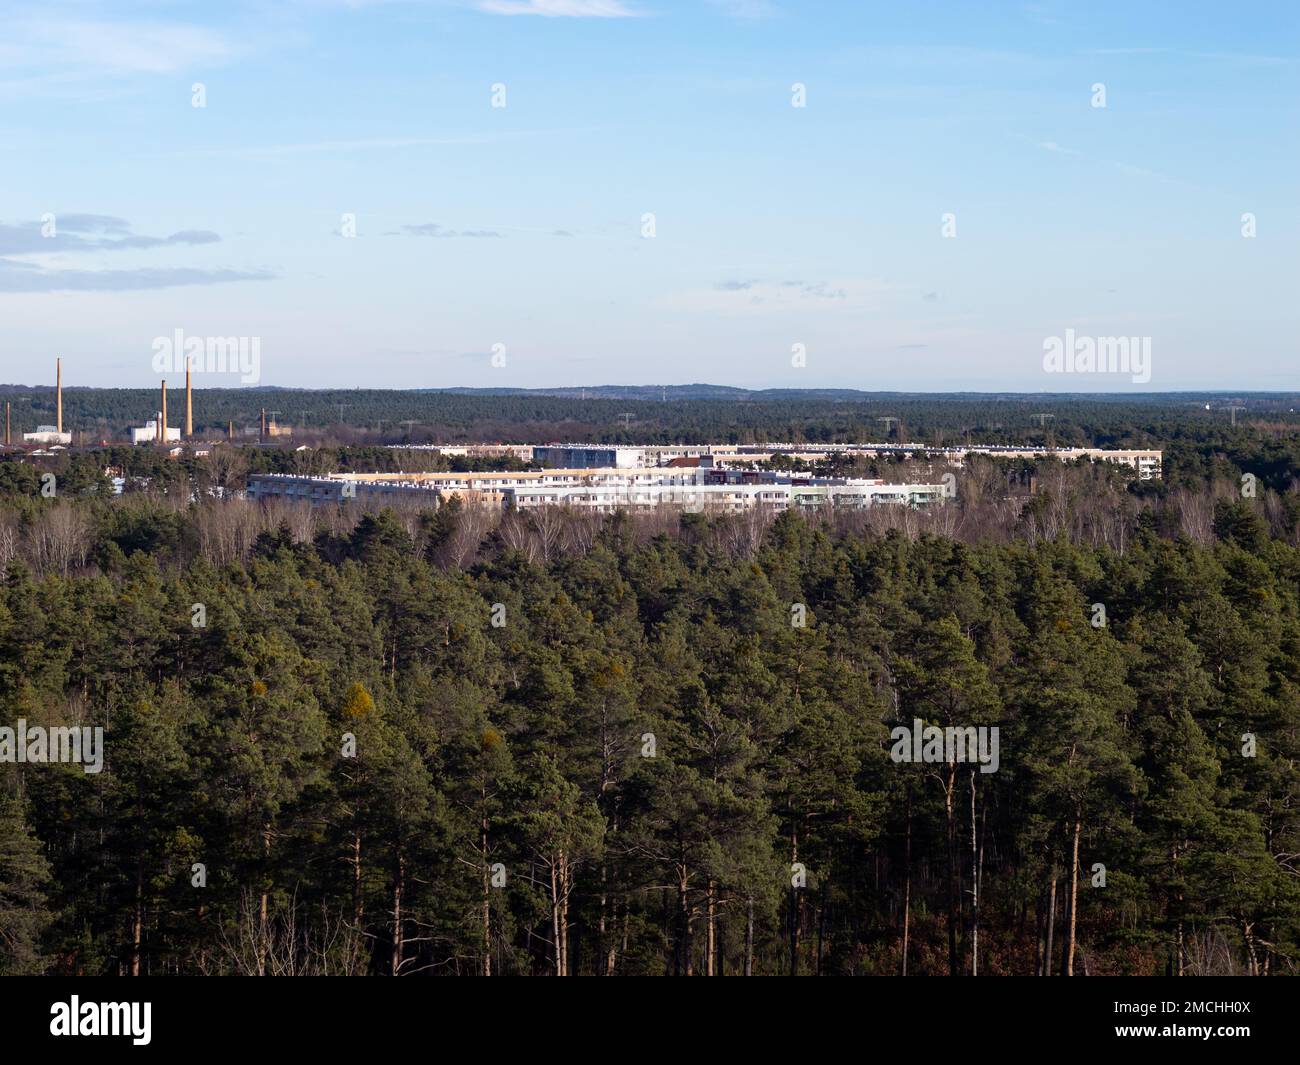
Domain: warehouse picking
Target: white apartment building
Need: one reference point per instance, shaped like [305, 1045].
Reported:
[606, 490]
[1147, 463]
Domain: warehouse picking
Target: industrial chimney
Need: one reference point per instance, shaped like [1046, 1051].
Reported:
[58, 389]
[189, 403]
[162, 417]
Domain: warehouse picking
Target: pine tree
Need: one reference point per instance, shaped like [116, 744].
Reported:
[24, 878]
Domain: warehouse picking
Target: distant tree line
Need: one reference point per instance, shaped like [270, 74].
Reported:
[390, 416]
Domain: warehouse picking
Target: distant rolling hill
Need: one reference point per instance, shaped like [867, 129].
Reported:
[681, 393]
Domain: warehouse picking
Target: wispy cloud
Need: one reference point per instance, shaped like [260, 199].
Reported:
[1044, 14]
[1052, 146]
[362, 144]
[24, 245]
[1122, 51]
[88, 232]
[432, 229]
[805, 290]
[17, 276]
[1125, 168]
[54, 43]
[558, 8]
[745, 9]
[745, 296]
[1248, 60]
[1242, 58]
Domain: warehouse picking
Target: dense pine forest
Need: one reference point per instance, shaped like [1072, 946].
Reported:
[441, 742]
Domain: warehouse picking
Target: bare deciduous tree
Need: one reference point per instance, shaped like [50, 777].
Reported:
[60, 539]
[280, 946]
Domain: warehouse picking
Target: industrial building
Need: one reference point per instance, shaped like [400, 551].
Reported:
[148, 433]
[1146, 462]
[48, 434]
[158, 431]
[587, 457]
[608, 489]
[270, 428]
[523, 452]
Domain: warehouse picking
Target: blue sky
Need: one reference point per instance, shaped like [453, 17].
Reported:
[774, 225]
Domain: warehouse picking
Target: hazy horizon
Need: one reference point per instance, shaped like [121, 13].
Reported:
[176, 381]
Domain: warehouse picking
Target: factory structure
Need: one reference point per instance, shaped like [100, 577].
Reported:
[149, 433]
[157, 430]
[48, 435]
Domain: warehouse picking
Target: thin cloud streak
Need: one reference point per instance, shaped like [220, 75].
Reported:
[23, 277]
[366, 144]
[90, 232]
[558, 8]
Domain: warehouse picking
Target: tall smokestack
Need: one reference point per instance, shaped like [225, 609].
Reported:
[58, 389]
[189, 403]
[162, 417]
